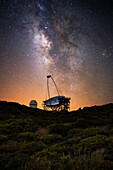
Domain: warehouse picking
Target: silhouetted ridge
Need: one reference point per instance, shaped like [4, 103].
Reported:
[37, 139]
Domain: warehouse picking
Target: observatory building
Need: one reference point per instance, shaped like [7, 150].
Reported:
[33, 104]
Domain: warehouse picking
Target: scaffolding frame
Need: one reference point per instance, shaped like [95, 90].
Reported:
[64, 105]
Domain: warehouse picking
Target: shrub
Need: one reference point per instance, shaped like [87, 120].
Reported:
[3, 138]
[29, 136]
[94, 141]
[59, 129]
[52, 139]
[32, 147]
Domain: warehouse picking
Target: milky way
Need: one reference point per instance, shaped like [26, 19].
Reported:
[70, 39]
[77, 50]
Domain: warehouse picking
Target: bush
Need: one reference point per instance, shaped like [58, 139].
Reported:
[52, 139]
[3, 138]
[32, 147]
[28, 136]
[59, 129]
[94, 141]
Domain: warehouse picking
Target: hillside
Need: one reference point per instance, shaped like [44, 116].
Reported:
[37, 139]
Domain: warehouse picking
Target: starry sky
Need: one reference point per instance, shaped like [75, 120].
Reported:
[70, 39]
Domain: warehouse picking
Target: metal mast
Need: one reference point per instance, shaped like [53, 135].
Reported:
[49, 76]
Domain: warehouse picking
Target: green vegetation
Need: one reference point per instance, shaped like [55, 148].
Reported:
[37, 139]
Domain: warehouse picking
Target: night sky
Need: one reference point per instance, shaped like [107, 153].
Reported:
[70, 39]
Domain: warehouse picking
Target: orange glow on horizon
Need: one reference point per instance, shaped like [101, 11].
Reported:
[27, 96]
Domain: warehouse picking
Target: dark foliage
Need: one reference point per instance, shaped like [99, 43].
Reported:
[37, 139]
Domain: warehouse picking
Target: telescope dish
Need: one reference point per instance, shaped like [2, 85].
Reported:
[57, 103]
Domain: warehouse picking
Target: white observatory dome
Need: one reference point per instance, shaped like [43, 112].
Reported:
[33, 104]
